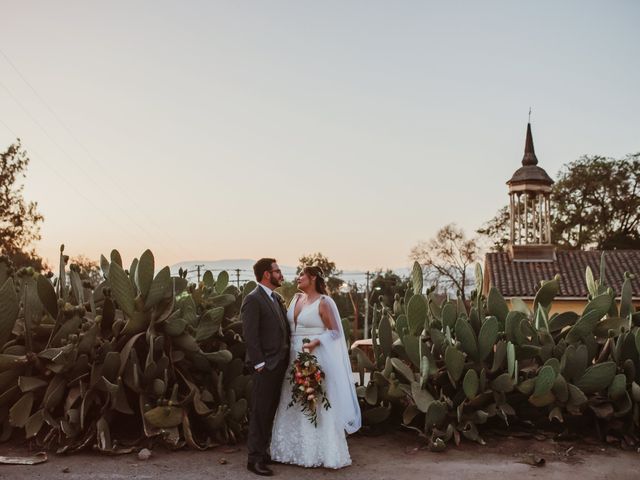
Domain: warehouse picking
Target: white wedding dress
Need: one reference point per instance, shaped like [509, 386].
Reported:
[294, 439]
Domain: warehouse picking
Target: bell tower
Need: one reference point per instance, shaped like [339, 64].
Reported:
[530, 209]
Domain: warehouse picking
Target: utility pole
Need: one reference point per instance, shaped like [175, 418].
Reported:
[354, 304]
[238, 277]
[366, 309]
[198, 267]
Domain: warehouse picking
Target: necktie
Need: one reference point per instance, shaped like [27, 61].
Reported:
[282, 318]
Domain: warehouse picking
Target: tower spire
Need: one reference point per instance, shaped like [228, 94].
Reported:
[529, 153]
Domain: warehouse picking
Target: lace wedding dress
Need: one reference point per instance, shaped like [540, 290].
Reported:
[294, 439]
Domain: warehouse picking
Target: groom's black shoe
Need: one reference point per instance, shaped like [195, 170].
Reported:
[259, 468]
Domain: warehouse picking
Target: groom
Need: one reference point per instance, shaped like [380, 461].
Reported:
[267, 337]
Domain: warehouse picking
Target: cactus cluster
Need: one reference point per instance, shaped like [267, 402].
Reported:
[446, 368]
[148, 357]
[143, 357]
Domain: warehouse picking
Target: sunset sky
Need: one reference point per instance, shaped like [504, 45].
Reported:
[213, 130]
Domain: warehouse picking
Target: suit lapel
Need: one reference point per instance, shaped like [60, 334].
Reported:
[276, 309]
[269, 301]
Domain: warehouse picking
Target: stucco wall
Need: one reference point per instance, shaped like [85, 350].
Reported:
[559, 305]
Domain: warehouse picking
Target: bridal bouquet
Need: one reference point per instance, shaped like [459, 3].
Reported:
[307, 378]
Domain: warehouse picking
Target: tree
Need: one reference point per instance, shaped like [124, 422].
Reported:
[287, 290]
[389, 284]
[331, 272]
[496, 230]
[594, 203]
[89, 270]
[446, 258]
[19, 219]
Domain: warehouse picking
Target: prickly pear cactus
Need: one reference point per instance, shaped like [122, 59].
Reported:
[454, 368]
[143, 349]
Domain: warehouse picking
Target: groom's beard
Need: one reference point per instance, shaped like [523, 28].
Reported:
[275, 281]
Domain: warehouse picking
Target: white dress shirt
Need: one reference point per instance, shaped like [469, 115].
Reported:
[267, 289]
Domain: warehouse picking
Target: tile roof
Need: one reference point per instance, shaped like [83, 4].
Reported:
[522, 279]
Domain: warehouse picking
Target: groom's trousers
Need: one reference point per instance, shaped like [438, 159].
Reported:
[265, 397]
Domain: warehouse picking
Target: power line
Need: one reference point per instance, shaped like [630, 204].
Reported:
[194, 274]
[77, 164]
[197, 270]
[105, 171]
[194, 271]
[64, 179]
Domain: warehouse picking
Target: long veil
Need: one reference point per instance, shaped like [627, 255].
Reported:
[339, 377]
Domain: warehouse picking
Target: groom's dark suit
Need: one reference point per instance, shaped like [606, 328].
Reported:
[267, 336]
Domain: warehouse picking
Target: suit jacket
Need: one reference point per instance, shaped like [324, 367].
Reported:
[265, 328]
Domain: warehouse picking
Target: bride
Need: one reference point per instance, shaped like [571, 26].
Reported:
[313, 314]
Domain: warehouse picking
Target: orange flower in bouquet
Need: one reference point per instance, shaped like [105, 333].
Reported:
[307, 378]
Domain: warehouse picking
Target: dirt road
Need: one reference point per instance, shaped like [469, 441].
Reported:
[396, 456]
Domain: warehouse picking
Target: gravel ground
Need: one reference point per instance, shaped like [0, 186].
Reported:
[395, 456]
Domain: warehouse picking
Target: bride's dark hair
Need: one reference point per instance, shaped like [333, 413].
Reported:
[317, 272]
